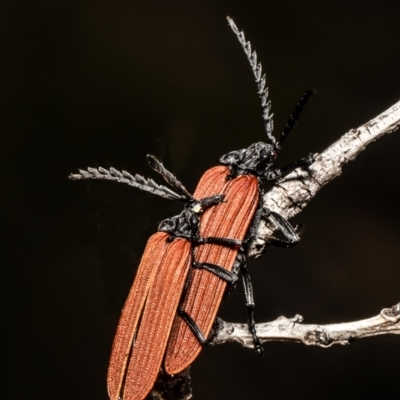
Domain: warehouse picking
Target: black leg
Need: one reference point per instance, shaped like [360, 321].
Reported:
[181, 312]
[248, 291]
[290, 232]
[304, 162]
[187, 283]
[251, 233]
[221, 272]
[220, 240]
[192, 325]
[211, 200]
[240, 258]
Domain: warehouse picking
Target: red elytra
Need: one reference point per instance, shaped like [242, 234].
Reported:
[149, 314]
[230, 219]
[154, 298]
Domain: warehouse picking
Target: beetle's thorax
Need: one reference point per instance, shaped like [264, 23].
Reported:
[186, 224]
[258, 159]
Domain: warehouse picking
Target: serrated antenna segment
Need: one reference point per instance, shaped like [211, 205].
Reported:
[137, 181]
[168, 176]
[260, 81]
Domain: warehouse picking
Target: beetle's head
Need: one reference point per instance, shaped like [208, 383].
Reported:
[258, 159]
[199, 206]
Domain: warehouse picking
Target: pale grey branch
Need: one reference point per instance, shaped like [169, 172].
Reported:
[294, 330]
[290, 196]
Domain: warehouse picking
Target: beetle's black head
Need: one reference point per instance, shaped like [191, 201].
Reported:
[258, 159]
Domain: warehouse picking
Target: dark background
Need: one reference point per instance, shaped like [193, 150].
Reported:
[104, 83]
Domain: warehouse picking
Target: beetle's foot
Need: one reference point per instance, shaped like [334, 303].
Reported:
[258, 348]
[256, 341]
[298, 228]
[230, 288]
[308, 160]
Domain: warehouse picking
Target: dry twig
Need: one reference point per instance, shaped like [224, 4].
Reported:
[290, 196]
[293, 330]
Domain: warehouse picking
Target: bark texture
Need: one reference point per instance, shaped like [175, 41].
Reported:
[290, 196]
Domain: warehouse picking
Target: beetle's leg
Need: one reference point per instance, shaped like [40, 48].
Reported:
[222, 273]
[256, 220]
[290, 232]
[192, 325]
[248, 291]
[183, 314]
[220, 240]
[304, 162]
[209, 201]
[235, 271]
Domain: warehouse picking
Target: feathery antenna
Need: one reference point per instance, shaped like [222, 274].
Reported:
[168, 176]
[260, 81]
[137, 181]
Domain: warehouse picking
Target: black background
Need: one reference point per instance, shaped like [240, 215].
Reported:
[104, 83]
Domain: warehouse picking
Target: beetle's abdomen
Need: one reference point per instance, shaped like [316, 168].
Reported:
[230, 219]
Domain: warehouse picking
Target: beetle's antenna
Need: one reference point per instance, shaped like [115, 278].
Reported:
[260, 81]
[168, 176]
[294, 116]
[137, 181]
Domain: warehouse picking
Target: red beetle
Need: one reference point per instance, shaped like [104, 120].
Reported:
[188, 263]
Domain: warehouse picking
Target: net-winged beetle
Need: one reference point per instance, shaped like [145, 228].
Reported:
[188, 263]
